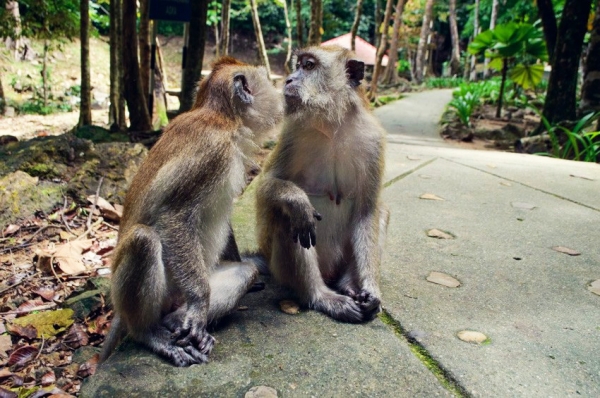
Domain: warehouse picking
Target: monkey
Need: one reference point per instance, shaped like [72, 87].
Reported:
[167, 281]
[321, 224]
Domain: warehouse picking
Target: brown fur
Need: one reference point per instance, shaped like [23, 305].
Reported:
[167, 282]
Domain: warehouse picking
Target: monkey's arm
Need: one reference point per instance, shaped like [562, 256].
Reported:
[290, 200]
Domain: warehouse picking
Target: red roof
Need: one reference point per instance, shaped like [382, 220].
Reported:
[364, 50]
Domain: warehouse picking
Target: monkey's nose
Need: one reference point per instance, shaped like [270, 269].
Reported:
[288, 81]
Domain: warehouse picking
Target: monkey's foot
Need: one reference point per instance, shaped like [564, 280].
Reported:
[370, 305]
[182, 356]
[198, 338]
[339, 307]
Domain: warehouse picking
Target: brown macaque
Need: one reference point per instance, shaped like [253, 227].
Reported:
[320, 222]
[167, 281]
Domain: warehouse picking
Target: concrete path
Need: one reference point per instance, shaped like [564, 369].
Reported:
[506, 211]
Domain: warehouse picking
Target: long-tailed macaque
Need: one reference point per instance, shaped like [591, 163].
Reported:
[167, 283]
[321, 224]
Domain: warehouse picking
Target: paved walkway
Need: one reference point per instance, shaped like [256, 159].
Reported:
[505, 211]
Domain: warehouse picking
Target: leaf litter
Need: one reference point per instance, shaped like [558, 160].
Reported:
[439, 234]
[566, 250]
[443, 279]
[430, 196]
[43, 261]
[594, 287]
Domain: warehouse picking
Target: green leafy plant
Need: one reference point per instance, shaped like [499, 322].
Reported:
[579, 145]
[464, 105]
[512, 43]
[444, 82]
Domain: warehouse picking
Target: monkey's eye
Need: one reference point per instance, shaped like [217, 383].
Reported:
[309, 65]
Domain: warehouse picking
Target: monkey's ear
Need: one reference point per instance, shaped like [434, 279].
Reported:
[241, 89]
[356, 71]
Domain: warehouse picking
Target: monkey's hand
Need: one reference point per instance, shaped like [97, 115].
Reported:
[369, 303]
[189, 328]
[303, 226]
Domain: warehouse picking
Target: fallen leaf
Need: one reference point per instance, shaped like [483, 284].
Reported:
[443, 279]
[29, 332]
[89, 367]
[30, 304]
[413, 157]
[430, 196]
[47, 323]
[289, 307]
[471, 336]
[17, 380]
[10, 229]
[594, 287]
[506, 184]
[22, 355]
[491, 166]
[425, 176]
[566, 250]
[4, 393]
[76, 337]
[106, 209]
[582, 177]
[436, 233]
[65, 235]
[4, 373]
[69, 256]
[48, 378]
[47, 293]
[522, 205]
[5, 345]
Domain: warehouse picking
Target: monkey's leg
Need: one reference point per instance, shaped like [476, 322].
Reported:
[298, 268]
[140, 295]
[229, 282]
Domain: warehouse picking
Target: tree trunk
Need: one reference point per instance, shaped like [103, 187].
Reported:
[502, 84]
[493, 18]
[391, 73]
[85, 107]
[144, 45]
[116, 119]
[2, 98]
[262, 50]
[590, 91]
[562, 86]
[381, 49]
[549, 25]
[422, 47]
[472, 70]
[316, 22]
[455, 57]
[288, 27]
[225, 16]
[378, 19]
[160, 91]
[45, 72]
[134, 93]
[354, 30]
[13, 8]
[299, 24]
[193, 68]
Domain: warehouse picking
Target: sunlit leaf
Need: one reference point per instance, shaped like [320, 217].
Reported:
[527, 76]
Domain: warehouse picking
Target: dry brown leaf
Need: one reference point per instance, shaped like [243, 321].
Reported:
[69, 256]
[471, 336]
[28, 331]
[566, 250]
[522, 205]
[430, 196]
[65, 235]
[101, 202]
[30, 304]
[4, 393]
[594, 287]
[89, 367]
[10, 229]
[506, 184]
[106, 209]
[5, 345]
[76, 337]
[48, 378]
[582, 177]
[289, 307]
[413, 157]
[47, 293]
[443, 279]
[425, 176]
[22, 355]
[4, 373]
[439, 234]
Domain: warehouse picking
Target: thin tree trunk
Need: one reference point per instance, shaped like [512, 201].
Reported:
[85, 107]
[160, 91]
[354, 30]
[381, 49]
[316, 22]
[2, 98]
[378, 19]
[134, 93]
[299, 24]
[493, 18]
[422, 47]
[144, 46]
[288, 27]
[549, 25]
[455, 57]
[262, 50]
[225, 16]
[391, 73]
[115, 67]
[560, 102]
[45, 72]
[13, 8]
[502, 84]
[590, 91]
[472, 70]
[193, 68]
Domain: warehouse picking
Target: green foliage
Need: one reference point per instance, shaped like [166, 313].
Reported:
[444, 82]
[100, 16]
[403, 66]
[579, 145]
[36, 106]
[49, 20]
[464, 106]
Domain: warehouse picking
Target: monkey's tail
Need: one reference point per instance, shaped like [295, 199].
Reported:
[114, 337]
[259, 261]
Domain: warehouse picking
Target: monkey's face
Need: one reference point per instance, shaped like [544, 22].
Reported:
[324, 81]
